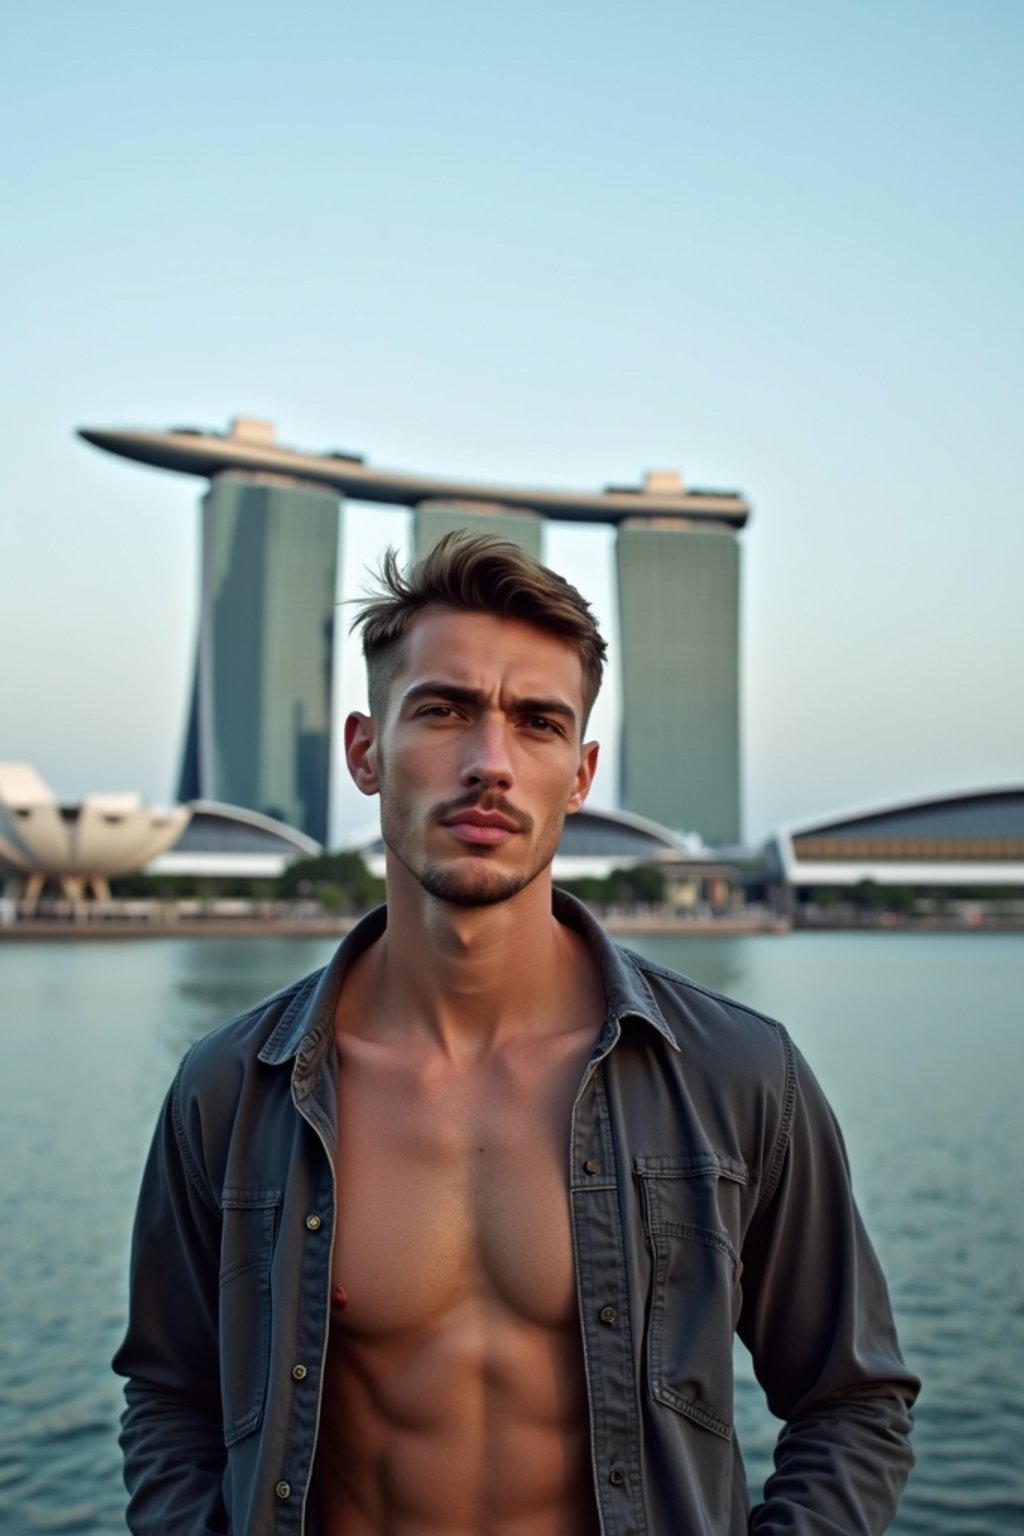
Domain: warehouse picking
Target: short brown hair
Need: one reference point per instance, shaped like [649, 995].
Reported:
[474, 573]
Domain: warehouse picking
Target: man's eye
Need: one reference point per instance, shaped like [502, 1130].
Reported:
[543, 725]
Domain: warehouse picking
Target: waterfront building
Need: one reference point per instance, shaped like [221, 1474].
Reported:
[259, 726]
[969, 842]
[77, 848]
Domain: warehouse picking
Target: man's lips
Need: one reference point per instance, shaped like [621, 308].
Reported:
[482, 827]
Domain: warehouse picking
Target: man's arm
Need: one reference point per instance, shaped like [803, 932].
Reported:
[171, 1429]
[817, 1320]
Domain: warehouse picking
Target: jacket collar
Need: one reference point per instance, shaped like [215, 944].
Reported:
[307, 1022]
[627, 993]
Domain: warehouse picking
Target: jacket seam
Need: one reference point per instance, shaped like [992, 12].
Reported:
[774, 1172]
[191, 1166]
[286, 995]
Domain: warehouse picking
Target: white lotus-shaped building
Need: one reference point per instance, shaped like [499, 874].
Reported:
[78, 847]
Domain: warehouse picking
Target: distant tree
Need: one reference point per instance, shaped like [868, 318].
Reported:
[177, 887]
[585, 888]
[868, 894]
[646, 884]
[344, 875]
[643, 886]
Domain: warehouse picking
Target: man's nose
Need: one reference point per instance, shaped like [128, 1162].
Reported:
[488, 762]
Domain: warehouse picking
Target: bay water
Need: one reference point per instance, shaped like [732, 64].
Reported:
[917, 1038]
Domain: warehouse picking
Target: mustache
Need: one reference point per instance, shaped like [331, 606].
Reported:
[487, 801]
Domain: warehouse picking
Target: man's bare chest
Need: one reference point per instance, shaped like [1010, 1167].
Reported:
[452, 1186]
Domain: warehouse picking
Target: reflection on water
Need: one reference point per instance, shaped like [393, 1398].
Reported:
[915, 1037]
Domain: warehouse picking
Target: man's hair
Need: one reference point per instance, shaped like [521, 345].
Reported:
[473, 573]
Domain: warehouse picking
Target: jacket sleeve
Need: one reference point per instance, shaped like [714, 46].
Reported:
[817, 1320]
[171, 1429]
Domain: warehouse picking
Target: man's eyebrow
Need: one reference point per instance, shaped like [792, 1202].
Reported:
[546, 707]
[455, 693]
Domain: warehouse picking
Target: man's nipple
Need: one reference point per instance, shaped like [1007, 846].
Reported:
[339, 1297]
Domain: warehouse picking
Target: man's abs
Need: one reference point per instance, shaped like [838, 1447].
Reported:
[454, 1399]
[476, 1428]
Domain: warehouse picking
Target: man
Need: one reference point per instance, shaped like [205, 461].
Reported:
[453, 1237]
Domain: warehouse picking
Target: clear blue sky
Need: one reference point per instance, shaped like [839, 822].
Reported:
[776, 246]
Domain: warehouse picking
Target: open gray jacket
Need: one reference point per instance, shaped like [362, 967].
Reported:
[710, 1196]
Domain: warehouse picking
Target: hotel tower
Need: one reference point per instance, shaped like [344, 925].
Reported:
[259, 728]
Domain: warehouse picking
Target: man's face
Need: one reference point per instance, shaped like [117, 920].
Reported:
[478, 758]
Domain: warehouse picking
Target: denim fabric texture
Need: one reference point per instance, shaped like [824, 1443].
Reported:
[710, 1195]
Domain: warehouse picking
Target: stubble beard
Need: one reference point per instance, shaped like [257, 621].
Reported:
[464, 888]
[475, 882]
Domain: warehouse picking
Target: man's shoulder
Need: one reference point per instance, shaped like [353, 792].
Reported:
[292, 1023]
[701, 1019]
[720, 1033]
[234, 1047]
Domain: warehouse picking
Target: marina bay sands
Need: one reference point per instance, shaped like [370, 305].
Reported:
[259, 726]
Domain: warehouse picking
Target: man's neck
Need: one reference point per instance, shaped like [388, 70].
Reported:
[470, 978]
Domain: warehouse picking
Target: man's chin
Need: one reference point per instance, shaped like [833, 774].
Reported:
[472, 887]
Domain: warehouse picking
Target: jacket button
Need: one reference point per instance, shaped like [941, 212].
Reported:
[314, 1222]
[608, 1314]
[283, 1490]
[299, 1372]
[592, 1165]
[616, 1477]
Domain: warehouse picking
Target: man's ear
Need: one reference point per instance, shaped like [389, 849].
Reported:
[361, 752]
[584, 777]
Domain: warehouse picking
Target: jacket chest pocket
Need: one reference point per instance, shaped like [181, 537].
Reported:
[249, 1224]
[691, 1213]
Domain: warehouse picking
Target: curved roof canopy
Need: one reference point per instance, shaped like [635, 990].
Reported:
[973, 838]
[232, 842]
[250, 447]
